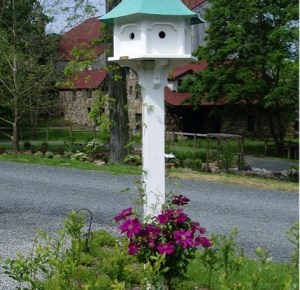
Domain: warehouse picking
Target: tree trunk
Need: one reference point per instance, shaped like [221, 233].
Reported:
[118, 117]
[278, 130]
[15, 138]
[118, 114]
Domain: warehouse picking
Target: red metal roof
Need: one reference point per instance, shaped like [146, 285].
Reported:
[90, 79]
[81, 37]
[188, 68]
[175, 98]
[191, 4]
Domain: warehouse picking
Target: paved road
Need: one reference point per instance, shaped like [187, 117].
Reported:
[273, 164]
[34, 196]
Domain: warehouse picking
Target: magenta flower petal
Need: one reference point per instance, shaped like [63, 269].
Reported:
[180, 200]
[165, 248]
[205, 242]
[184, 238]
[130, 226]
[132, 248]
[124, 213]
[162, 218]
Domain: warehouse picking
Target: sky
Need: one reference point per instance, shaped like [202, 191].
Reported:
[61, 24]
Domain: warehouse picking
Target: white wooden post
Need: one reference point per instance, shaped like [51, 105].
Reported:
[153, 79]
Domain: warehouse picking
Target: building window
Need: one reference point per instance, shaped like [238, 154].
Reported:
[130, 90]
[138, 91]
[73, 96]
[250, 123]
[138, 121]
[89, 94]
[89, 110]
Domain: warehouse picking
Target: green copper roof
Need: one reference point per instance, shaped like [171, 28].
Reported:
[150, 7]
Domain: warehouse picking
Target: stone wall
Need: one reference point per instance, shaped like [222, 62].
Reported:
[75, 106]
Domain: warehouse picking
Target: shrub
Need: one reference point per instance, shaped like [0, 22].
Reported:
[33, 149]
[94, 146]
[197, 164]
[80, 156]
[44, 147]
[39, 154]
[189, 163]
[60, 149]
[68, 154]
[105, 158]
[294, 173]
[57, 156]
[2, 150]
[49, 154]
[228, 156]
[27, 145]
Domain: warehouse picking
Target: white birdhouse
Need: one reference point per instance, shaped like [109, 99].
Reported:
[151, 29]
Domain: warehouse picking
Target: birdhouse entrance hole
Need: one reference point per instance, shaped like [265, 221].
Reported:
[162, 34]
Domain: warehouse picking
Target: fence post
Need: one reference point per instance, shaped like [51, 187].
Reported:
[71, 133]
[94, 132]
[289, 150]
[239, 161]
[173, 138]
[218, 152]
[207, 154]
[266, 147]
[195, 138]
[47, 133]
[21, 134]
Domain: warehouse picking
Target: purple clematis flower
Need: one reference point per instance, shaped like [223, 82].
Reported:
[152, 232]
[132, 248]
[165, 248]
[180, 200]
[131, 226]
[124, 213]
[185, 238]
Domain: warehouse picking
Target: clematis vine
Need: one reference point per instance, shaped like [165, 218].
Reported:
[172, 234]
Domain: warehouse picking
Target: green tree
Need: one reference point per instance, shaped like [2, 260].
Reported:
[27, 59]
[252, 55]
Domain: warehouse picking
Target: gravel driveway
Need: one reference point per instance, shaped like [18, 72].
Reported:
[34, 196]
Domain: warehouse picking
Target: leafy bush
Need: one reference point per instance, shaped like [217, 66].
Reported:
[49, 154]
[2, 150]
[197, 165]
[57, 156]
[98, 263]
[181, 156]
[68, 154]
[38, 154]
[228, 156]
[189, 163]
[294, 173]
[94, 146]
[134, 159]
[80, 156]
[105, 158]
[44, 147]
[27, 145]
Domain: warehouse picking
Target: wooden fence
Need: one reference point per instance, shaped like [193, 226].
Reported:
[70, 130]
[291, 148]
